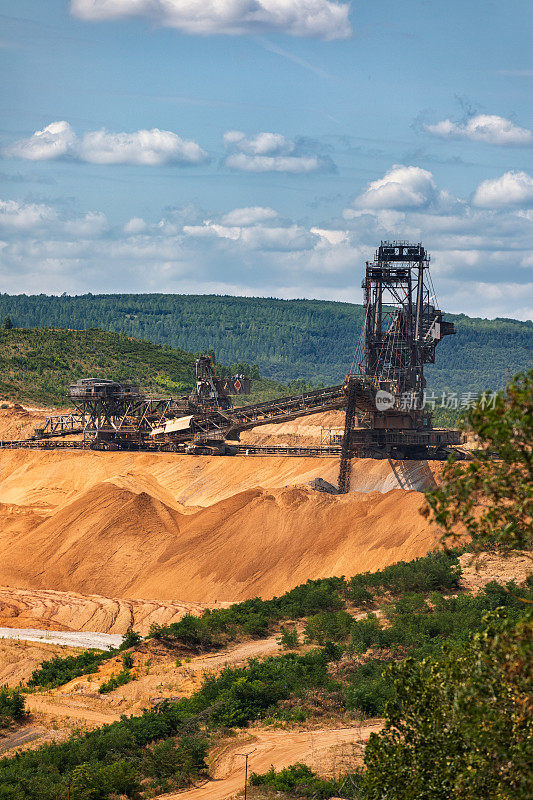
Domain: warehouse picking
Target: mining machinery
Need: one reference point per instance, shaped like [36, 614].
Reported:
[120, 415]
[401, 331]
[384, 397]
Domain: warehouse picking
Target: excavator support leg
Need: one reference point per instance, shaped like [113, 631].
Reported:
[349, 424]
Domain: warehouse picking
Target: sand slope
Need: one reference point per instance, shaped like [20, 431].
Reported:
[47, 609]
[136, 535]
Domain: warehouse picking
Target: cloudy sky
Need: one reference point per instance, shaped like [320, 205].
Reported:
[265, 147]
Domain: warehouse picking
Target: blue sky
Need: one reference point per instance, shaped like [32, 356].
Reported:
[264, 147]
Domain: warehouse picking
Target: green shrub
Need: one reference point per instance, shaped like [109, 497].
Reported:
[369, 689]
[436, 571]
[58, 671]
[123, 677]
[11, 706]
[460, 724]
[288, 639]
[127, 660]
[299, 780]
[131, 639]
[104, 763]
[333, 626]
[174, 765]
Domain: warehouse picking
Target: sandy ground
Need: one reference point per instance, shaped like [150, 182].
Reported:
[492, 567]
[47, 609]
[18, 421]
[309, 430]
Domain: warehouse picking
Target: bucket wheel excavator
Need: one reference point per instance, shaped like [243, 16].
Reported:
[384, 398]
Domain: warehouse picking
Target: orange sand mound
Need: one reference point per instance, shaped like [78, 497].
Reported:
[44, 480]
[130, 535]
[19, 422]
[302, 431]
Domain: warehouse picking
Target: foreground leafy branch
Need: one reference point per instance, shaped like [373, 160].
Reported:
[490, 498]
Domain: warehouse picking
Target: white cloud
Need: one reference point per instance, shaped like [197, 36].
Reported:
[325, 19]
[400, 188]
[151, 148]
[269, 152]
[262, 144]
[481, 257]
[55, 141]
[330, 236]
[92, 224]
[135, 225]
[248, 216]
[511, 189]
[25, 216]
[487, 128]
[296, 164]
[145, 147]
[255, 237]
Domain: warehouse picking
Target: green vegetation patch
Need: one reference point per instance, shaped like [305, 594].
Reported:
[57, 670]
[11, 706]
[413, 626]
[124, 758]
[299, 780]
[435, 572]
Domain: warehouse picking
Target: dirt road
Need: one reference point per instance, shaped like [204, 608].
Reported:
[335, 747]
[34, 703]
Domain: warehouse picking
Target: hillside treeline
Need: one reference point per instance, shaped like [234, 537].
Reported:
[312, 340]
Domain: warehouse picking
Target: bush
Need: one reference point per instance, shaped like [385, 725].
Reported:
[106, 762]
[412, 626]
[131, 639]
[58, 670]
[124, 676]
[175, 765]
[288, 639]
[127, 660]
[460, 724]
[11, 706]
[240, 695]
[300, 781]
[369, 690]
[436, 571]
[325, 626]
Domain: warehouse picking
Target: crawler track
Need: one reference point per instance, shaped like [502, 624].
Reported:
[149, 447]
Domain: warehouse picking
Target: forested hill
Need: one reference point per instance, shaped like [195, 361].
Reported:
[38, 364]
[287, 339]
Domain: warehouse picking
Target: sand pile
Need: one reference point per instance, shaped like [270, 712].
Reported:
[43, 481]
[18, 422]
[302, 431]
[132, 535]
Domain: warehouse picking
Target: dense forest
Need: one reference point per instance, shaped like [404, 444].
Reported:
[313, 340]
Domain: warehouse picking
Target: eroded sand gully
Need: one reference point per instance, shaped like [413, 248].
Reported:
[180, 531]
